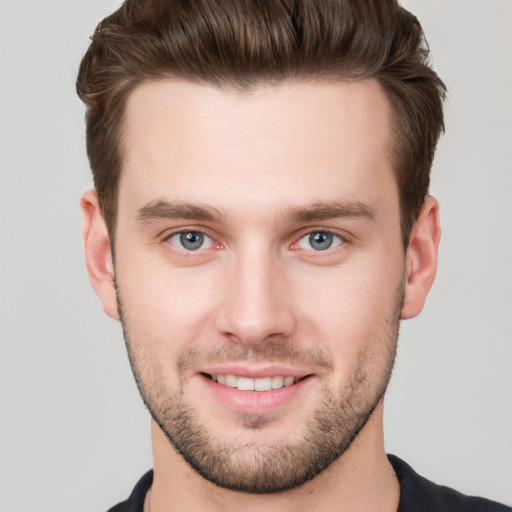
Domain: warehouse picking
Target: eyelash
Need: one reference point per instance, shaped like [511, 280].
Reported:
[337, 239]
[195, 232]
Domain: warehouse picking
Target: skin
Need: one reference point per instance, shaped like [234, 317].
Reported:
[258, 295]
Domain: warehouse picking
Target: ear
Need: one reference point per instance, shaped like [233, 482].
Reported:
[98, 254]
[421, 258]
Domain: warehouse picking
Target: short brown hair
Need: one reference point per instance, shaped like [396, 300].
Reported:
[243, 43]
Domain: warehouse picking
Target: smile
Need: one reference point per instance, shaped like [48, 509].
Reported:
[248, 384]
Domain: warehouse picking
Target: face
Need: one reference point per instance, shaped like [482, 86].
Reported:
[259, 272]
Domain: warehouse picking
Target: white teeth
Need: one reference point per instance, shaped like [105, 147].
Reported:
[231, 381]
[264, 384]
[245, 384]
[277, 382]
[248, 384]
[288, 381]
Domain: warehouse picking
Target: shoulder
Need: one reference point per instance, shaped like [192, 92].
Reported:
[135, 502]
[419, 494]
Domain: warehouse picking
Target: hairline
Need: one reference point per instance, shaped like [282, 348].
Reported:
[247, 89]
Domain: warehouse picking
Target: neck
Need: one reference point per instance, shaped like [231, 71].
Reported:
[360, 480]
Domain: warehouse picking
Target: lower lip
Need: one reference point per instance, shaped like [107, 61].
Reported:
[256, 402]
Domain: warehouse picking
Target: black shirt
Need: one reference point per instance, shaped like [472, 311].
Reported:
[417, 494]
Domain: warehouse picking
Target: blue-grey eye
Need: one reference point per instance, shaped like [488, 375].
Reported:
[319, 241]
[191, 240]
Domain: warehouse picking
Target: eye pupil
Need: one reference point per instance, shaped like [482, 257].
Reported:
[320, 240]
[191, 240]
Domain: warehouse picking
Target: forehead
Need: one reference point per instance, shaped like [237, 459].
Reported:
[297, 142]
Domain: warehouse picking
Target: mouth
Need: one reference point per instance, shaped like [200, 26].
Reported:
[257, 384]
[256, 390]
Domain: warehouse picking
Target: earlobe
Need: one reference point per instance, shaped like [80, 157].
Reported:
[421, 258]
[98, 254]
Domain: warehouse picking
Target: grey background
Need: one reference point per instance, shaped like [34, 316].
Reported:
[74, 435]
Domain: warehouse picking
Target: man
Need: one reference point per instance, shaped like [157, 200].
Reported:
[260, 225]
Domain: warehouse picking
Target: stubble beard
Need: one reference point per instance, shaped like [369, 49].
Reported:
[259, 467]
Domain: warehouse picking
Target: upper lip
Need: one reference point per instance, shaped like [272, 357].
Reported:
[256, 373]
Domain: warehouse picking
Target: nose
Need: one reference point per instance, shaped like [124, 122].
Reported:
[258, 305]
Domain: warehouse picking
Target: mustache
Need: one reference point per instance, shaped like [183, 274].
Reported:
[278, 352]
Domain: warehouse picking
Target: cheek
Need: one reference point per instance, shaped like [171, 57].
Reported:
[165, 309]
[155, 288]
[350, 308]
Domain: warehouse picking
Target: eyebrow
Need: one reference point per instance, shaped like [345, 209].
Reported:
[331, 210]
[162, 209]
